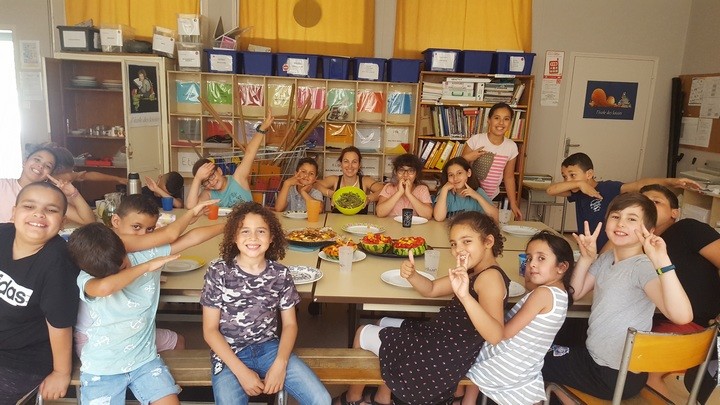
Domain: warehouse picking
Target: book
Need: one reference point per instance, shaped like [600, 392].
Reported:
[445, 155]
[517, 94]
[435, 155]
[427, 148]
[431, 156]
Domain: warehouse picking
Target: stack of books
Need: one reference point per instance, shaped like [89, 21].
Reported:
[431, 92]
[499, 91]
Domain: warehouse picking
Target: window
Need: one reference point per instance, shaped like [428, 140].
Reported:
[10, 165]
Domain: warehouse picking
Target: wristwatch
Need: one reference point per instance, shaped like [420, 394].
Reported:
[262, 131]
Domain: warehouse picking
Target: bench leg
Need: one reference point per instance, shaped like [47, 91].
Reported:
[281, 397]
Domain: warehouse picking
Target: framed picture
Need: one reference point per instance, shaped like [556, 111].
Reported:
[144, 96]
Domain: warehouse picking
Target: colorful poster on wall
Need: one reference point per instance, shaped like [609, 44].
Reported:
[610, 100]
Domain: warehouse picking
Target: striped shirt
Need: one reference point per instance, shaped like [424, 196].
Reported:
[504, 153]
[510, 372]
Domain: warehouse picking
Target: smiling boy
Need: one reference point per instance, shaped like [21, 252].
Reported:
[299, 190]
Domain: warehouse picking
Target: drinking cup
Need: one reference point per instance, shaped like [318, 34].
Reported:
[522, 259]
[167, 203]
[432, 262]
[505, 216]
[345, 254]
[313, 210]
[213, 211]
[407, 216]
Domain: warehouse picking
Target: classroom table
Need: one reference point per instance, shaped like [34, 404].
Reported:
[363, 289]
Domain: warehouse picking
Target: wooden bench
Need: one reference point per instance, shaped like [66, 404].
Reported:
[333, 366]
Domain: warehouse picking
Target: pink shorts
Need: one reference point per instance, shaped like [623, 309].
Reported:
[165, 339]
[666, 326]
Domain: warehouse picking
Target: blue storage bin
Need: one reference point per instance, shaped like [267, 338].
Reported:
[513, 63]
[297, 64]
[476, 61]
[223, 60]
[372, 69]
[257, 63]
[441, 60]
[335, 67]
[403, 70]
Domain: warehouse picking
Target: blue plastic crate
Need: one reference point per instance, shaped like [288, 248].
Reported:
[223, 60]
[441, 60]
[372, 69]
[297, 64]
[477, 61]
[403, 70]
[336, 68]
[513, 63]
[257, 63]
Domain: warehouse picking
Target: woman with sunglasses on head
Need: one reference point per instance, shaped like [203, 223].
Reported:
[405, 190]
[210, 183]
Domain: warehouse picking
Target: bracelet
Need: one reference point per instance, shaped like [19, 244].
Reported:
[260, 131]
[663, 270]
[73, 195]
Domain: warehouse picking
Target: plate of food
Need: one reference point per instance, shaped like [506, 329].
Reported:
[332, 254]
[385, 246]
[515, 289]
[295, 214]
[393, 277]
[362, 228]
[311, 237]
[304, 274]
[416, 220]
[183, 264]
[520, 230]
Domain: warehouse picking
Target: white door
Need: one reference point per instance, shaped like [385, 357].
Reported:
[144, 130]
[615, 146]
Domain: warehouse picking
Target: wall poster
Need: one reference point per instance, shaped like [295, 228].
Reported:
[610, 100]
[144, 103]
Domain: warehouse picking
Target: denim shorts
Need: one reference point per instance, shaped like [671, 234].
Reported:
[150, 382]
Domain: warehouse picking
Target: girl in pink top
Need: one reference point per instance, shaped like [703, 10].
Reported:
[505, 153]
[405, 190]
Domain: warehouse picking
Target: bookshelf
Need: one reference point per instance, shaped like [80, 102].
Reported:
[377, 117]
[454, 106]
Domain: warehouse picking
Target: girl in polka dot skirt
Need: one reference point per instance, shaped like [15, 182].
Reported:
[422, 362]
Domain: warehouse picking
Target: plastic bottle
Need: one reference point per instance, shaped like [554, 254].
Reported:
[133, 186]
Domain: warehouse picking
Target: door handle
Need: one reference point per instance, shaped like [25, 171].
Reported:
[569, 145]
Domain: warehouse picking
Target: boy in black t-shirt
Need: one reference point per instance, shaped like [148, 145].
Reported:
[38, 297]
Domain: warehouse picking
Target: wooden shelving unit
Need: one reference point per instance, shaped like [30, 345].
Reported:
[427, 130]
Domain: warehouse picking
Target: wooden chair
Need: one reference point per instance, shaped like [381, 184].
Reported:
[654, 352]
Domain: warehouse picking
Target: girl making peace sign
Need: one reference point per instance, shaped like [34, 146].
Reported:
[422, 362]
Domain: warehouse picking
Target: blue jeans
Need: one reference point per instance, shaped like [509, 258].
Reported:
[300, 381]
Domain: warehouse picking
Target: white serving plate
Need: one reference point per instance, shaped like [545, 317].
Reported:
[295, 214]
[393, 277]
[362, 229]
[515, 289]
[182, 265]
[416, 220]
[357, 256]
[520, 230]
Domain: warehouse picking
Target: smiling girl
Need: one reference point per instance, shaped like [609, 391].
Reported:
[460, 192]
[505, 152]
[405, 190]
[244, 292]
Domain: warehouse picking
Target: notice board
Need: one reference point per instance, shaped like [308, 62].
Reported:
[700, 127]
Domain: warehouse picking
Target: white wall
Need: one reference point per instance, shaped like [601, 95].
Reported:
[655, 28]
[702, 55]
[29, 20]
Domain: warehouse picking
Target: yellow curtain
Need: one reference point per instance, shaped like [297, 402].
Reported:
[328, 27]
[141, 15]
[462, 24]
